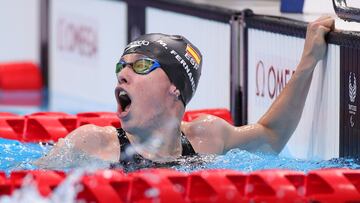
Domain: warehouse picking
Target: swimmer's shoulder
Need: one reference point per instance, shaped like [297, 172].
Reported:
[205, 133]
[101, 142]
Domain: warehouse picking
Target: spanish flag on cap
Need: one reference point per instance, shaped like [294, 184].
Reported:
[193, 53]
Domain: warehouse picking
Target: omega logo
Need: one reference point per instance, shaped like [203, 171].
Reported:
[77, 38]
[270, 81]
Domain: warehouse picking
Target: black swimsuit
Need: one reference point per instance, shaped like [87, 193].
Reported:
[136, 161]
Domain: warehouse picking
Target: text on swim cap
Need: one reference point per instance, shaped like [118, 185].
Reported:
[136, 43]
[192, 61]
[162, 43]
[187, 69]
[192, 56]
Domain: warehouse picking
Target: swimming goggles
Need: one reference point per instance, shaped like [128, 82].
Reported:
[141, 66]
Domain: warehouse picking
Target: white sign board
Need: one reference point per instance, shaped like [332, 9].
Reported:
[20, 30]
[87, 38]
[272, 59]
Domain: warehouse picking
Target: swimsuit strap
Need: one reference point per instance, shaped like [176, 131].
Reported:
[124, 144]
[187, 149]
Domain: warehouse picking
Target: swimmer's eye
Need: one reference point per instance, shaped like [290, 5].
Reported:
[142, 66]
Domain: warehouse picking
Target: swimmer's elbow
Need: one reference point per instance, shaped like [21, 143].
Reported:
[267, 148]
[273, 141]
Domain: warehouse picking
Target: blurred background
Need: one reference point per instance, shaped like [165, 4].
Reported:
[60, 55]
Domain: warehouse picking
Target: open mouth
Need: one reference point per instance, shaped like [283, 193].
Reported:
[124, 100]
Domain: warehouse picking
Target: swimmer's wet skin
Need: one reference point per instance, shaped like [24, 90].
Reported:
[152, 99]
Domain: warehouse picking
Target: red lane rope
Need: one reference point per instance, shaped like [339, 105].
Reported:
[165, 185]
[50, 126]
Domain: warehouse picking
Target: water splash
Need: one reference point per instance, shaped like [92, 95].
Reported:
[27, 193]
[66, 192]
[242, 160]
[17, 155]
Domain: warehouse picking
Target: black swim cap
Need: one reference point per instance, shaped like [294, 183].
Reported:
[179, 58]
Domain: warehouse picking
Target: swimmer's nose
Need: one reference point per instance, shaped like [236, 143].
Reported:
[124, 75]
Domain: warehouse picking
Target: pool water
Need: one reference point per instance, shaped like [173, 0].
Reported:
[15, 155]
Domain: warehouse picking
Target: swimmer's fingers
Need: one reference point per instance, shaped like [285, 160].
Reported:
[323, 17]
[327, 25]
[315, 45]
[324, 25]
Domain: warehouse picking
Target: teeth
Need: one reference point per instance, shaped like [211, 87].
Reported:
[122, 93]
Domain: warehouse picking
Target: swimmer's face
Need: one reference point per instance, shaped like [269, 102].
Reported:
[142, 99]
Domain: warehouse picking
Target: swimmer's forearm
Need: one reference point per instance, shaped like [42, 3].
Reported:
[66, 158]
[52, 159]
[51, 162]
[284, 115]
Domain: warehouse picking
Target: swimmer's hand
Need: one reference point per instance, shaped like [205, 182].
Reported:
[315, 45]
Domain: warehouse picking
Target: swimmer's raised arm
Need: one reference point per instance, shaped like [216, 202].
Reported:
[84, 143]
[275, 127]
